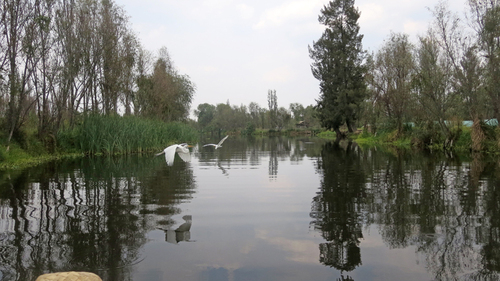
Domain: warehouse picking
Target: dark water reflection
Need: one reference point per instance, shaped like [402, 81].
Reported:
[91, 214]
[256, 209]
[337, 209]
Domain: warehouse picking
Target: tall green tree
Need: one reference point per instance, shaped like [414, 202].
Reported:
[297, 111]
[255, 112]
[165, 94]
[338, 65]
[487, 25]
[391, 80]
[272, 101]
[16, 18]
[205, 113]
[432, 83]
[469, 67]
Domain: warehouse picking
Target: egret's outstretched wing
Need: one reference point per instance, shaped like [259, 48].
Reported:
[217, 145]
[183, 152]
[222, 140]
[170, 154]
[181, 149]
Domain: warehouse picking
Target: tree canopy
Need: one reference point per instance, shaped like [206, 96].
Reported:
[338, 65]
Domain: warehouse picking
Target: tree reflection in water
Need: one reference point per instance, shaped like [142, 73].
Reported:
[448, 210]
[94, 214]
[336, 209]
[87, 215]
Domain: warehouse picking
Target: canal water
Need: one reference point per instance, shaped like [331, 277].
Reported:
[256, 209]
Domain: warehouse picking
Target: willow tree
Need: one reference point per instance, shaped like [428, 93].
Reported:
[469, 70]
[338, 65]
[433, 86]
[165, 94]
[487, 26]
[394, 68]
[18, 23]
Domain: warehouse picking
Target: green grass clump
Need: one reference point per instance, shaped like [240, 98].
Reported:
[464, 141]
[327, 135]
[18, 158]
[366, 139]
[117, 135]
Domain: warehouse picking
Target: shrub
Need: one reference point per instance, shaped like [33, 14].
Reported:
[249, 130]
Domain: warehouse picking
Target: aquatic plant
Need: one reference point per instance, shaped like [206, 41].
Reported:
[117, 135]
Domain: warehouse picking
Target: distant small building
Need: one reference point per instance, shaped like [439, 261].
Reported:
[490, 122]
[302, 124]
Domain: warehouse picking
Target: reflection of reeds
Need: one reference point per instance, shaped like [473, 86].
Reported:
[115, 134]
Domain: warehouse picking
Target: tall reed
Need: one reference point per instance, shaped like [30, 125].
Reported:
[116, 134]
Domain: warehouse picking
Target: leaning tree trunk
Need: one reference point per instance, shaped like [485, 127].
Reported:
[339, 135]
[477, 135]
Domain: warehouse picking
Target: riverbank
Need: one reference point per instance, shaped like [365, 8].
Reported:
[96, 135]
[490, 145]
[17, 158]
[106, 137]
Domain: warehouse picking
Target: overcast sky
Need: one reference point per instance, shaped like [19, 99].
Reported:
[237, 50]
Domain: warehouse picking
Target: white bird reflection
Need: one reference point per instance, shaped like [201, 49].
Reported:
[181, 233]
[217, 145]
[181, 149]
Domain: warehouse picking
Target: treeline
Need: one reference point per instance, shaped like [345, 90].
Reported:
[451, 74]
[425, 88]
[63, 60]
[247, 119]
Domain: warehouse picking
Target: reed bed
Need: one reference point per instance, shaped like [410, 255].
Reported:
[119, 135]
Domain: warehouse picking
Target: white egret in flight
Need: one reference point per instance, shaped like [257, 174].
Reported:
[181, 149]
[217, 145]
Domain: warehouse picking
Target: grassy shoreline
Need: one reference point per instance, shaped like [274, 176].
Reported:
[32, 161]
[462, 145]
[97, 135]
[74, 143]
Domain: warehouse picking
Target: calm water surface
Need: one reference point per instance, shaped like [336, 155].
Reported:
[256, 209]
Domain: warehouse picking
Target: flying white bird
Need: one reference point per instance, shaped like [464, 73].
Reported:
[217, 145]
[181, 149]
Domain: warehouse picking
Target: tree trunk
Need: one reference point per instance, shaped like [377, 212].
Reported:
[477, 135]
[339, 135]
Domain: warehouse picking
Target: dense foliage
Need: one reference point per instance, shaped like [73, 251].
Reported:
[61, 61]
[431, 91]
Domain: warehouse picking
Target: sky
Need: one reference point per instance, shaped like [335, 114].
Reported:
[237, 50]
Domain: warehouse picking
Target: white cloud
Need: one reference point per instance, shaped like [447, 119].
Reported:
[246, 12]
[415, 27]
[287, 12]
[209, 69]
[238, 49]
[278, 75]
[371, 13]
[215, 4]
[304, 251]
